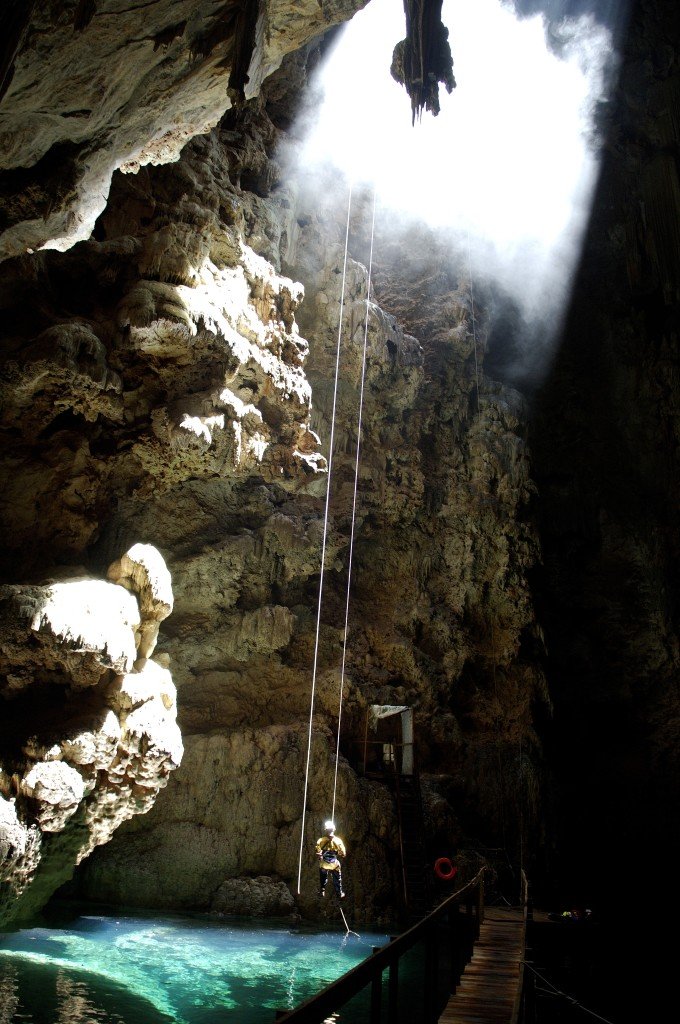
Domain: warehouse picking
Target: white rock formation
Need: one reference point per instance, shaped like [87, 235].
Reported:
[143, 571]
[81, 647]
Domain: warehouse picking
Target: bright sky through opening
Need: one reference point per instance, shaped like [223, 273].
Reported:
[508, 157]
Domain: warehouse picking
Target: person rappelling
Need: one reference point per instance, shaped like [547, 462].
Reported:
[330, 850]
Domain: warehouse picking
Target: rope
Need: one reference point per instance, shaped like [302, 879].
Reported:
[354, 506]
[520, 787]
[323, 546]
[564, 995]
[349, 930]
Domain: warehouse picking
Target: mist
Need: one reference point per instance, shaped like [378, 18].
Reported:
[507, 169]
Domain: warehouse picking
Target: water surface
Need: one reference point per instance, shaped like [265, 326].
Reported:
[132, 969]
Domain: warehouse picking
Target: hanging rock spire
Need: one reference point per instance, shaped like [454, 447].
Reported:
[423, 59]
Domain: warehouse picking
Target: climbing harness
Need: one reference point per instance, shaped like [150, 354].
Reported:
[325, 529]
[444, 869]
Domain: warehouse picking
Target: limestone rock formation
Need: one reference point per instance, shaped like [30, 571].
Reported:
[167, 386]
[185, 402]
[143, 571]
[89, 733]
[87, 88]
[604, 432]
[423, 59]
[253, 897]
[246, 538]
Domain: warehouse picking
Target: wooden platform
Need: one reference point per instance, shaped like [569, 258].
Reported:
[488, 992]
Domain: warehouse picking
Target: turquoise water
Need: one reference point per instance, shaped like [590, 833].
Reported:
[129, 969]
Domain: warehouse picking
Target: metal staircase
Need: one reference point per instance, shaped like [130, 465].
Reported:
[389, 757]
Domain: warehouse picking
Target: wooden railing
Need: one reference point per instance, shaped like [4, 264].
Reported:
[446, 938]
[524, 991]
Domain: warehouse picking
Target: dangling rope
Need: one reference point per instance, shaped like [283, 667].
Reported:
[323, 546]
[349, 930]
[354, 505]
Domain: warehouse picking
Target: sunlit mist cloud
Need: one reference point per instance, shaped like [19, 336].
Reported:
[509, 161]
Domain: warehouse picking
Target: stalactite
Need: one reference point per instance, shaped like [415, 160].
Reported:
[423, 59]
[244, 44]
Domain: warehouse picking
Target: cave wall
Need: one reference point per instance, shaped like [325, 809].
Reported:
[167, 381]
[88, 87]
[604, 436]
[421, 631]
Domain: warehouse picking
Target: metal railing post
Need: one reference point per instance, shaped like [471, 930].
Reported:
[454, 951]
[393, 990]
[430, 974]
[427, 977]
[376, 993]
[469, 928]
[480, 907]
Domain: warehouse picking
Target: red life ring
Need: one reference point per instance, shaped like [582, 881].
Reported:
[444, 869]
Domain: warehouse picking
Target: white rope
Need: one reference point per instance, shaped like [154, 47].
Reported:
[323, 546]
[354, 505]
[564, 995]
[349, 930]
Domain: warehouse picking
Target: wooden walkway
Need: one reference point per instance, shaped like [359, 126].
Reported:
[489, 990]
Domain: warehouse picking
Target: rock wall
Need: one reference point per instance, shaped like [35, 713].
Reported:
[424, 577]
[178, 392]
[168, 382]
[604, 431]
[89, 734]
[87, 88]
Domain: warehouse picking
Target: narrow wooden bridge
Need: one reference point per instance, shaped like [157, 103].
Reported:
[461, 964]
[490, 988]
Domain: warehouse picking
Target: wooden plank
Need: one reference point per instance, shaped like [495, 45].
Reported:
[488, 990]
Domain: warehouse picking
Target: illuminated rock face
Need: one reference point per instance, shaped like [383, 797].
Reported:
[221, 312]
[168, 383]
[86, 89]
[185, 403]
[93, 735]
